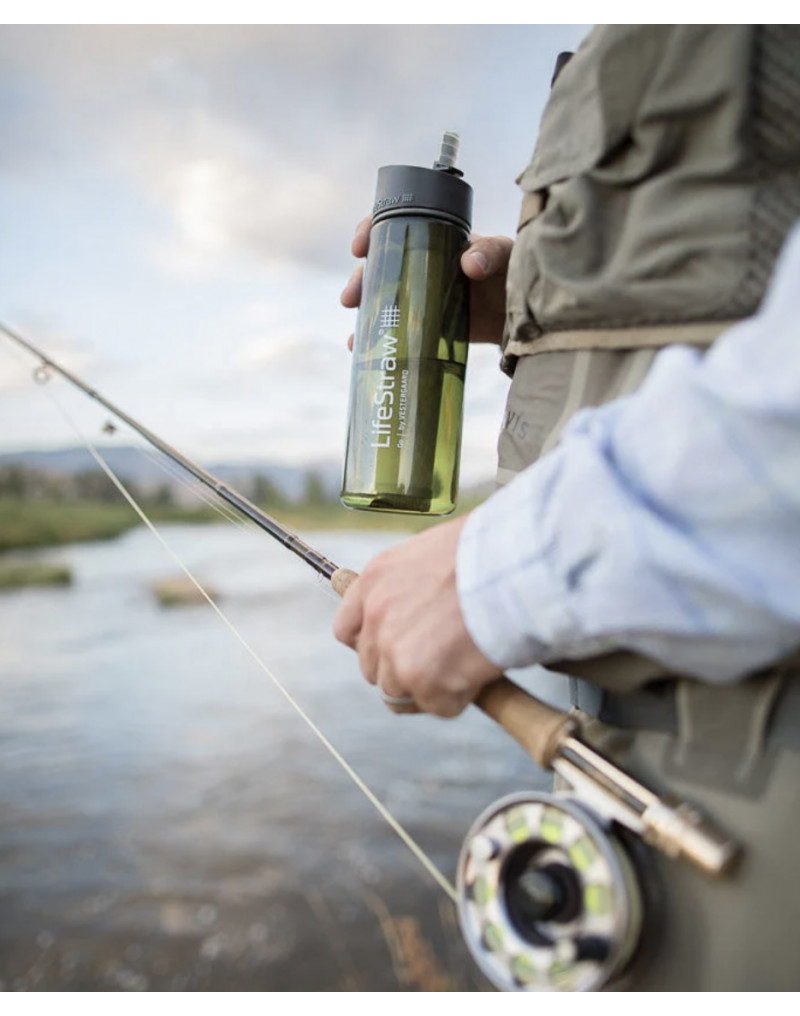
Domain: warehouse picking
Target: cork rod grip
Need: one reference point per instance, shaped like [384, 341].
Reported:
[539, 728]
[342, 579]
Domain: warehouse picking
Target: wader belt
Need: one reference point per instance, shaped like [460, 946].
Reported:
[721, 735]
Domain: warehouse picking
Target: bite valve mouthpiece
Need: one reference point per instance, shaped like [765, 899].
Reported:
[448, 153]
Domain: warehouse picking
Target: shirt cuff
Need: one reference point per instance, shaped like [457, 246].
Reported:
[504, 579]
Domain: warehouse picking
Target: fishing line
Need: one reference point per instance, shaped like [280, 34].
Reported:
[382, 810]
[196, 489]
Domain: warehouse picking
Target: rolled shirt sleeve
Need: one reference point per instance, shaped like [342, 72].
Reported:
[667, 522]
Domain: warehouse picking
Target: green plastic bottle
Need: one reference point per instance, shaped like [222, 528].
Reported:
[410, 352]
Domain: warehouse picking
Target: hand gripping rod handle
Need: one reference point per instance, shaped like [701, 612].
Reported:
[548, 735]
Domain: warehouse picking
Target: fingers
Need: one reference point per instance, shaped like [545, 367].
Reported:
[405, 690]
[360, 244]
[349, 627]
[393, 695]
[485, 263]
[351, 294]
[402, 706]
[348, 619]
[486, 256]
[354, 629]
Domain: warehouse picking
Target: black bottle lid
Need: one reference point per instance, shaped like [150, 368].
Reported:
[415, 190]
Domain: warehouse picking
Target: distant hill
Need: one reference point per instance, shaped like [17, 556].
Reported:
[149, 469]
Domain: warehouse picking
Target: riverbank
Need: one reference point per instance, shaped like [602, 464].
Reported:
[28, 523]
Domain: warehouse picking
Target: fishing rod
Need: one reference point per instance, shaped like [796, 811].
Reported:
[548, 896]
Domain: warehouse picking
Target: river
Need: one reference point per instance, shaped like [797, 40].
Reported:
[169, 823]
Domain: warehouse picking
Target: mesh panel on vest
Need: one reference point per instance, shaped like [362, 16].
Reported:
[775, 146]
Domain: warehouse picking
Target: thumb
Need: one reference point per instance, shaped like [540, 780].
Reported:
[486, 256]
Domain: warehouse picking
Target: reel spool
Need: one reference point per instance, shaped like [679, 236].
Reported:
[548, 900]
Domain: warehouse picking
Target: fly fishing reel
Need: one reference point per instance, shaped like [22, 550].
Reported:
[548, 899]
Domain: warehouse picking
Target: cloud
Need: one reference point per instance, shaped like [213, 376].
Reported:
[258, 141]
[225, 207]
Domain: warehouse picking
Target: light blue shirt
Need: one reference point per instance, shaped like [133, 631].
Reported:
[666, 522]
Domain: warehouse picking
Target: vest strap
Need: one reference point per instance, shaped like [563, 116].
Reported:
[700, 333]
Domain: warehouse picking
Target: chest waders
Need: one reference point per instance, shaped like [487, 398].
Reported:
[665, 178]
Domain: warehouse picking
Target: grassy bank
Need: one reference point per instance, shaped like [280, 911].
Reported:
[18, 576]
[43, 523]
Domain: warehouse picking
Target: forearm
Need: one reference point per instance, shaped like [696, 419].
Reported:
[667, 523]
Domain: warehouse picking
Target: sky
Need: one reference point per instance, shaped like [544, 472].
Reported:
[177, 205]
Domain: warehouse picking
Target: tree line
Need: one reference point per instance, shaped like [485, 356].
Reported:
[27, 483]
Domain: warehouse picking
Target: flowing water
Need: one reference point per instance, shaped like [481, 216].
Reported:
[167, 821]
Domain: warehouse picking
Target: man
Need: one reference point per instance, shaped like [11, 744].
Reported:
[655, 548]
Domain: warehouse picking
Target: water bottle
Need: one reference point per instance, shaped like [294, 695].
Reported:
[410, 351]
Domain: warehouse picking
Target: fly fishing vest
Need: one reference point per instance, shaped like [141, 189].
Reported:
[665, 178]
